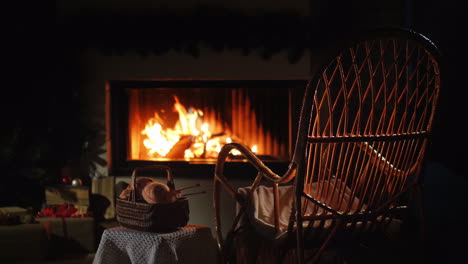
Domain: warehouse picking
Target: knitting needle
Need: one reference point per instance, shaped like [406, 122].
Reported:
[194, 193]
[196, 185]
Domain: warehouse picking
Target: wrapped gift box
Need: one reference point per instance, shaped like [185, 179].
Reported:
[76, 195]
[70, 234]
[23, 242]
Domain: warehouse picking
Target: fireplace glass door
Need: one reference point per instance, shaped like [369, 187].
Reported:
[190, 120]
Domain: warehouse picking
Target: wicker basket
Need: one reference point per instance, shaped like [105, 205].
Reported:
[159, 217]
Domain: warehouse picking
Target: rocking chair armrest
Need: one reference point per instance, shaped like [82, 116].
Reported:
[263, 170]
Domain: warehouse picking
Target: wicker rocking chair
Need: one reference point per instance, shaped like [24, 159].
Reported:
[364, 128]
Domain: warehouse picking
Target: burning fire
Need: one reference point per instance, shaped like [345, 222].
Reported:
[189, 138]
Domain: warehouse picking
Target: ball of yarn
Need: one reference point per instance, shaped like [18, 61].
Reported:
[156, 192]
[140, 184]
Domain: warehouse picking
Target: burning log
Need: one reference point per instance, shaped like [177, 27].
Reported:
[178, 150]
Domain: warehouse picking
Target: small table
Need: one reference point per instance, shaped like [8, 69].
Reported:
[189, 244]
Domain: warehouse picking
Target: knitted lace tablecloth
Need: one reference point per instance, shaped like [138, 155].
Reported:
[189, 244]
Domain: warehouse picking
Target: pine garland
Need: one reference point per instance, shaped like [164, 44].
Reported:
[160, 31]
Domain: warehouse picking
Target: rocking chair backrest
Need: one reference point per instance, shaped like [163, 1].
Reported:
[364, 128]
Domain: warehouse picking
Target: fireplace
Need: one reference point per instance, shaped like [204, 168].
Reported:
[184, 123]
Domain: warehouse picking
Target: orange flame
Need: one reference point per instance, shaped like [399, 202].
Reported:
[161, 141]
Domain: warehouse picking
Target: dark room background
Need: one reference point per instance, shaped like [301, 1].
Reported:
[53, 118]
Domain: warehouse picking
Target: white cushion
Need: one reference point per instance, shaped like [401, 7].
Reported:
[261, 211]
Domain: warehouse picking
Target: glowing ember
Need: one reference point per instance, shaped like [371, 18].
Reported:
[254, 148]
[235, 152]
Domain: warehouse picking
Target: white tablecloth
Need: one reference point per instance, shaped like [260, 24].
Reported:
[189, 244]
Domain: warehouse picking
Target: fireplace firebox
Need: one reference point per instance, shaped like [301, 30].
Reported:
[184, 123]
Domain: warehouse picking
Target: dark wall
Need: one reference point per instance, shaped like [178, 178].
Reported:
[39, 112]
[445, 22]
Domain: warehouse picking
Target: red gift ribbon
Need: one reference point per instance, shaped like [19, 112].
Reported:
[63, 210]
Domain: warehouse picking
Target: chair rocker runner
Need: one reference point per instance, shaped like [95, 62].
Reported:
[364, 128]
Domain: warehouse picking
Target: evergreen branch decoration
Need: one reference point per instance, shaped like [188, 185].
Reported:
[160, 31]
